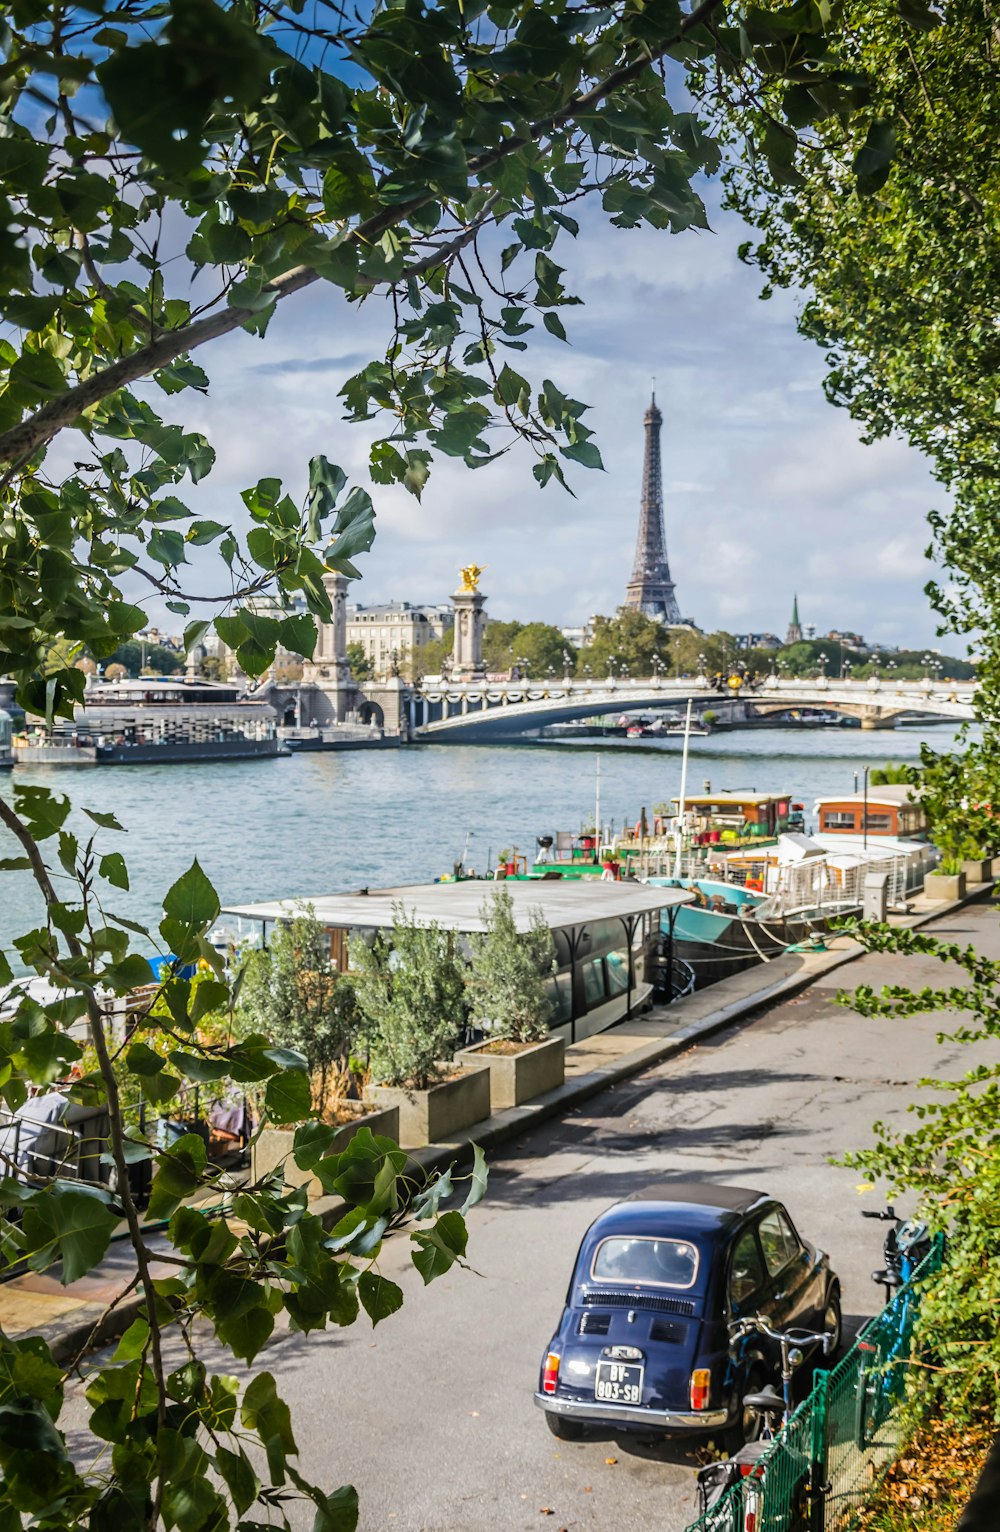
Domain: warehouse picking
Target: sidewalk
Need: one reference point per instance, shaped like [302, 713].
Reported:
[100, 1307]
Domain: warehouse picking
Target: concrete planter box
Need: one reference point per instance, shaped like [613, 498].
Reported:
[517, 1077]
[436, 1114]
[274, 1146]
[978, 871]
[946, 886]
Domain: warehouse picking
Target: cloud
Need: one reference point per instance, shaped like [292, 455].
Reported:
[768, 489]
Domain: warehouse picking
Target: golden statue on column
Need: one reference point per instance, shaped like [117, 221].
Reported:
[471, 575]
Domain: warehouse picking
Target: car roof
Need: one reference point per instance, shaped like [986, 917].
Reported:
[693, 1206]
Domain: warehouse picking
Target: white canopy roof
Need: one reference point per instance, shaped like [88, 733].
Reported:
[457, 906]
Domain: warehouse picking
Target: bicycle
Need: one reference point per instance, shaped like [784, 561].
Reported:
[748, 1466]
[887, 1337]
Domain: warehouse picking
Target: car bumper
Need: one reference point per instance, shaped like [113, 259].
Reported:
[598, 1413]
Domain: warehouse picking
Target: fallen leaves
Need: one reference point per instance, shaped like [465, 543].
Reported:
[928, 1485]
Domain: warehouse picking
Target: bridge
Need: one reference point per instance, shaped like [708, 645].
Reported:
[449, 710]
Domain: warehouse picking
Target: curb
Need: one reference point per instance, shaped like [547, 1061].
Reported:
[508, 1125]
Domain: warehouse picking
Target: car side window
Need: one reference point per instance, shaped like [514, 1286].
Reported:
[746, 1272]
[778, 1240]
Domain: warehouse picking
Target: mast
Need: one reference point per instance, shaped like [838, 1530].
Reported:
[651, 590]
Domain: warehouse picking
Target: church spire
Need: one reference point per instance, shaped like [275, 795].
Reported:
[651, 589]
[794, 634]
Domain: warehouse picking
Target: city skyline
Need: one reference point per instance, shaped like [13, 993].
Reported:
[758, 469]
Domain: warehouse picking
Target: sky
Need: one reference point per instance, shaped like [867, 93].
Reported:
[768, 491]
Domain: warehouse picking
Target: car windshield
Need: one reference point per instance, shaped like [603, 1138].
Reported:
[651, 1262]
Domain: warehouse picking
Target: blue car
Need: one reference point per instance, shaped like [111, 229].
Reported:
[643, 1345]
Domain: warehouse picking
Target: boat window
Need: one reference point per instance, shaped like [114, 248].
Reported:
[560, 991]
[593, 982]
[746, 1270]
[878, 821]
[837, 821]
[617, 966]
[778, 1241]
[646, 1262]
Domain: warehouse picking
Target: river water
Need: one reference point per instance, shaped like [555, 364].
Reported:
[316, 823]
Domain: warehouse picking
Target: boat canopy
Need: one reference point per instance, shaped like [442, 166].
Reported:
[458, 906]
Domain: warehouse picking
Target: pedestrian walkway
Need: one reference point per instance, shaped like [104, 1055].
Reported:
[100, 1306]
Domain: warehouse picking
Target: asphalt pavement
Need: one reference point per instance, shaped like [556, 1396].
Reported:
[432, 1417]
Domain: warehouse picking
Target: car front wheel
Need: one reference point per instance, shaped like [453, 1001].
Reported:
[565, 1430]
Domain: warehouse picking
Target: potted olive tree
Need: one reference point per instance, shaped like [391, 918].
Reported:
[293, 994]
[410, 986]
[510, 1001]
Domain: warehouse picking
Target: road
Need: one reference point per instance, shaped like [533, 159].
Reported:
[431, 1416]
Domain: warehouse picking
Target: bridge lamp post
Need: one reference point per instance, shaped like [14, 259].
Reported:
[846, 672]
[612, 665]
[523, 665]
[822, 665]
[701, 665]
[567, 662]
[586, 672]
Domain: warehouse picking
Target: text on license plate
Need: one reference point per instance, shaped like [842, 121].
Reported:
[618, 1383]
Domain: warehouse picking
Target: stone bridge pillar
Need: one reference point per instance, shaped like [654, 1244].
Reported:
[470, 623]
[327, 675]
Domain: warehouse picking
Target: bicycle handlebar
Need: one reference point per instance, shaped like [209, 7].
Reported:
[790, 1337]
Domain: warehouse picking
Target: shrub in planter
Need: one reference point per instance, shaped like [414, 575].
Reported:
[510, 1002]
[410, 989]
[508, 996]
[293, 995]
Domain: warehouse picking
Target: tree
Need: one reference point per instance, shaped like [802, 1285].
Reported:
[411, 991]
[172, 172]
[630, 638]
[361, 666]
[532, 647]
[896, 250]
[150, 659]
[507, 977]
[293, 994]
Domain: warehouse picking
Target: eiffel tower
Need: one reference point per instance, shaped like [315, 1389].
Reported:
[651, 589]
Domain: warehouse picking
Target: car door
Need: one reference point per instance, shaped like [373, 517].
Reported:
[789, 1271]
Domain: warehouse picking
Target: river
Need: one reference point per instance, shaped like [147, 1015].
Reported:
[315, 823]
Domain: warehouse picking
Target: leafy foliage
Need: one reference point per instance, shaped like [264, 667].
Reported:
[411, 992]
[508, 995]
[292, 994]
[171, 171]
[951, 1159]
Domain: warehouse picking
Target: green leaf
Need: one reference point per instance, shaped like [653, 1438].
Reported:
[112, 867]
[477, 1179]
[873, 161]
[133, 1342]
[288, 1096]
[379, 1296]
[554, 324]
[511, 386]
[77, 1225]
[106, 821]
[266, 1413]
[585, 453]
[337, 1512]
[236, 1470]
[439, 1248]
[192, 901]
[179, 1171]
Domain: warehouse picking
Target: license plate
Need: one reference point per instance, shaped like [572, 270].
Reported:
[618, 1383]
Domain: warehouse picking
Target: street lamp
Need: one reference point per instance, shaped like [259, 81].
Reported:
[522, 665]
[586, 672]
[848, 667]
[822, 665]
[701, 664]
[567, 662]
[550, 672]
[625, 671]
[612, 663]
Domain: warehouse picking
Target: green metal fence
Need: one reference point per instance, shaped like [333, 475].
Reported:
[826, 1461]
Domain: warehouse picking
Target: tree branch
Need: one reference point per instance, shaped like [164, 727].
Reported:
[37, 429]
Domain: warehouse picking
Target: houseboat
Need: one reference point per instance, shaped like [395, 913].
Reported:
[614, 941]
[6, 740]
[891, 810]
[159, 719]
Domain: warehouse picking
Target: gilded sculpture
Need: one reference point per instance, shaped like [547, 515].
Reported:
[471, 574]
